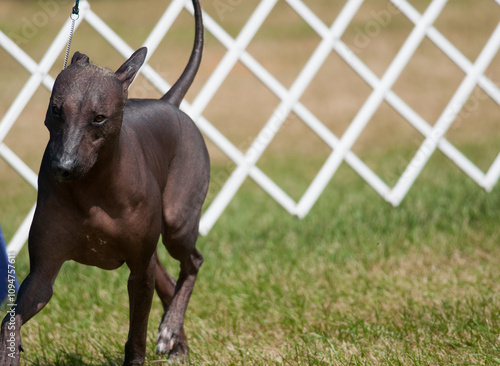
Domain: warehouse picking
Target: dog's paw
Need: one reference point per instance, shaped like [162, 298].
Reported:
[179, 354]
[166, 341]
[170, 343]
[10, 349]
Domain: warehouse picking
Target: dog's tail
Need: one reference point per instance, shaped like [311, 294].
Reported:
[181, 86]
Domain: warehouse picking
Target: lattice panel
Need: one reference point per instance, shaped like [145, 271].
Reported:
[433, 132]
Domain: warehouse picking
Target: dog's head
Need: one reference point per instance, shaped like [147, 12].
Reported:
[85, 113]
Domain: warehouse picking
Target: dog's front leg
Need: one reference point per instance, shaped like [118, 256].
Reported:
[141, 284]
[34, 293]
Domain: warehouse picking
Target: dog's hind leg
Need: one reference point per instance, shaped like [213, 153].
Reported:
[183, 198]
[165, 288]
[171, 328]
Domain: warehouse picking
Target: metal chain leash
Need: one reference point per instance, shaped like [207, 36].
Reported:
[75, 14]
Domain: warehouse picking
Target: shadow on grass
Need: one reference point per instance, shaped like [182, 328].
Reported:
[63, 358]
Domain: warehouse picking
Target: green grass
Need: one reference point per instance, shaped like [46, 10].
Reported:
[356, 282]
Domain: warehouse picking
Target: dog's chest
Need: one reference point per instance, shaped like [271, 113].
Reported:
[106, 239]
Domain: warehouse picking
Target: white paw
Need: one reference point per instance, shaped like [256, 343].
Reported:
[165, 342]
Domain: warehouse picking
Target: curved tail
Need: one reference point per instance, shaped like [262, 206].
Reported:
[181, 86]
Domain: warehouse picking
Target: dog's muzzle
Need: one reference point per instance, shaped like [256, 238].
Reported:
[64, 169]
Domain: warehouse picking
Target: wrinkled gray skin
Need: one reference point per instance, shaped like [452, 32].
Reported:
[116, 174]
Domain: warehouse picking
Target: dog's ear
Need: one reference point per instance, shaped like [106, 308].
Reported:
[127, 72]
[79, 57]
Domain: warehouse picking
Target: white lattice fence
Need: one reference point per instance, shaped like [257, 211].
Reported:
[289, 100]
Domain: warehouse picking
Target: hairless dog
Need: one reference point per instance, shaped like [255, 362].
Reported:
[116, 174]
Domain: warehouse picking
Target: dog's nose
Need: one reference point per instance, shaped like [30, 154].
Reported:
[63, 169]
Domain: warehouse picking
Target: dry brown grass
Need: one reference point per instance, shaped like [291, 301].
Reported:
[283, 46]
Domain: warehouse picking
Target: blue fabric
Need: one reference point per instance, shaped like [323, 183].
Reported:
[5, 270]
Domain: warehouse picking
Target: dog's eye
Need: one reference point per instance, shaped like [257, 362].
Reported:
[56, 110]
[100, 119]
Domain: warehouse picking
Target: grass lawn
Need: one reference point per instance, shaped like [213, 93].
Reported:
[357, 282]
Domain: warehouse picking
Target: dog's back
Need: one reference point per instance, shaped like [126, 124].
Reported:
[166, 135]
